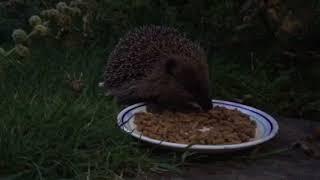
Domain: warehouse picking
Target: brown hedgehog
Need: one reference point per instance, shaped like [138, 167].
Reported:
[159, 66]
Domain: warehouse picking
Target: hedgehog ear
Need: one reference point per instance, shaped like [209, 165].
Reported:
[170, 65]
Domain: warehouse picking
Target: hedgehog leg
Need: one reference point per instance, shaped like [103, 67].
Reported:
[124, 95]
[176, 102]
[183, 108]
[155, 108]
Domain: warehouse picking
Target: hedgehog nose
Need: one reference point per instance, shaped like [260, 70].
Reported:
[206, 104]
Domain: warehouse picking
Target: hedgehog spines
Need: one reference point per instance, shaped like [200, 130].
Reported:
[141, 48]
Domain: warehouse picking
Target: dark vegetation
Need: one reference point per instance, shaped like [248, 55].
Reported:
[261, 53]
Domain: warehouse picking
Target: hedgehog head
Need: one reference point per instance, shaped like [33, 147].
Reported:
[189, 78]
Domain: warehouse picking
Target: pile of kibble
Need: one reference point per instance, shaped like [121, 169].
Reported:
[218, 126]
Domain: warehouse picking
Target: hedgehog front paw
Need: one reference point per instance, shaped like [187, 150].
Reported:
[154, 108]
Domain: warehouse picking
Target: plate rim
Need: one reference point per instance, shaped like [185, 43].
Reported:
[266, 117]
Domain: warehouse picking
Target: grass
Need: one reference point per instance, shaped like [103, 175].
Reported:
[48, 132]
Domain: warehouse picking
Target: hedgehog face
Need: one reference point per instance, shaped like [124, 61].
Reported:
[192, 76]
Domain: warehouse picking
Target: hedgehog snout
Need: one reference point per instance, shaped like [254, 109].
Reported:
[205, 103]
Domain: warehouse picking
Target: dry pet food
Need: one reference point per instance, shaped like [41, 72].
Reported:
[218, 126]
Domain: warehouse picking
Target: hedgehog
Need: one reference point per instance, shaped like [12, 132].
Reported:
[158, 65]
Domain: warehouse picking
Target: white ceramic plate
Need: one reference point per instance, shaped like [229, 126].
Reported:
[267, 128]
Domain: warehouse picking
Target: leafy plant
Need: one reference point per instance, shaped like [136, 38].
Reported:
[55, 22]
